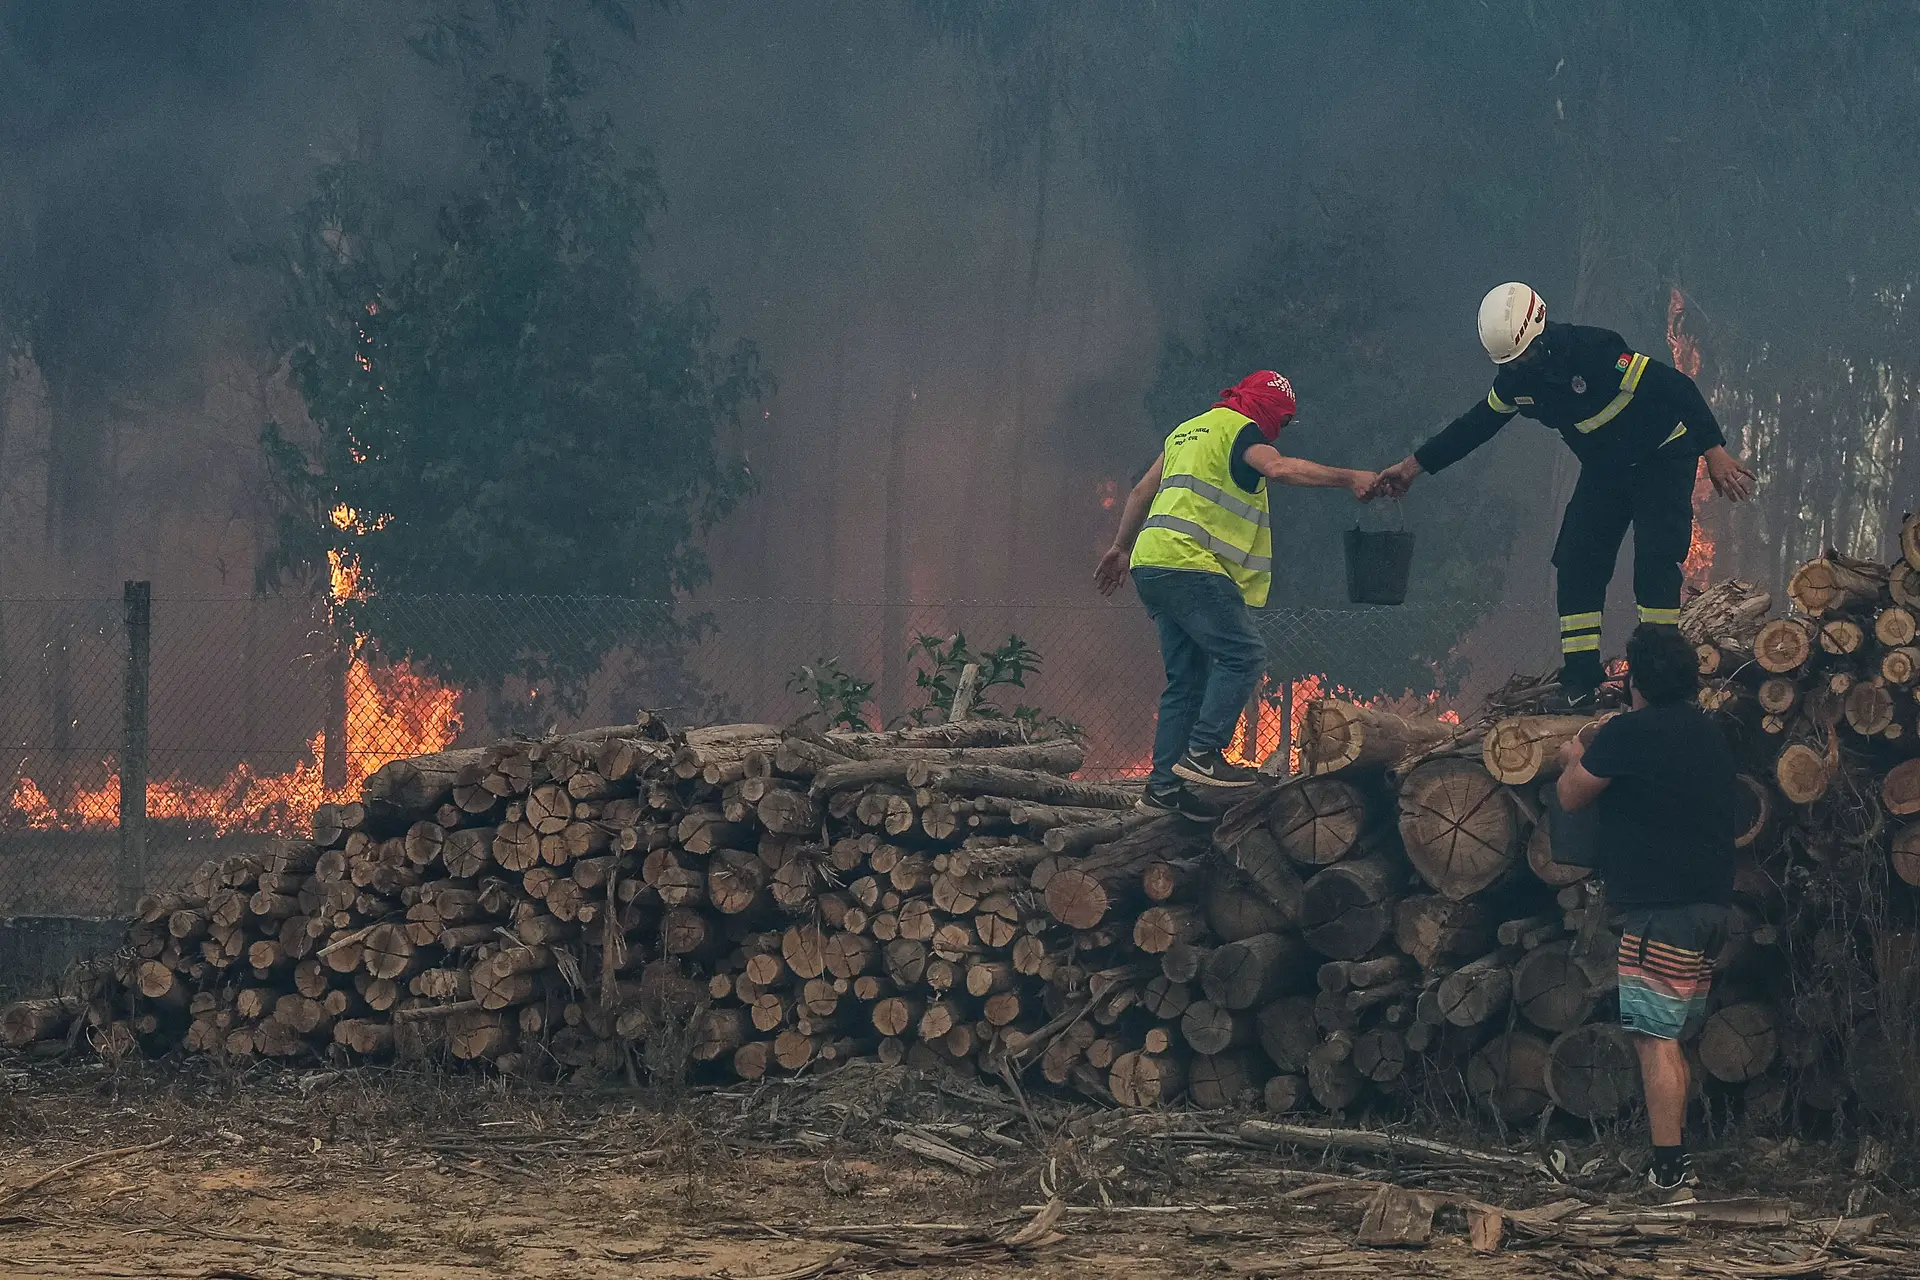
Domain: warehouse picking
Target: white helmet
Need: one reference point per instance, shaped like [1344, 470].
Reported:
[1511, 316]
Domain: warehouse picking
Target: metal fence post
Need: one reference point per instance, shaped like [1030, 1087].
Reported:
[1286, 725]
[138, 600]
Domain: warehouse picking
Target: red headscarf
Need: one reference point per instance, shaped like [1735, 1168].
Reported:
[1266, 397]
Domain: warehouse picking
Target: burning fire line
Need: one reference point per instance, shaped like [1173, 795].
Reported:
[1686, 358]
[392, 712]
[1306, 689]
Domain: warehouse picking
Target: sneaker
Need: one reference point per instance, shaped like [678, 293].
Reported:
[1673, 1186]
[1174, 799]
[1212, 769]
[1571, 702]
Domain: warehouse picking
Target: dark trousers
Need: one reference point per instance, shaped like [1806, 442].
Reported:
[1214, 659]
[1655, 497]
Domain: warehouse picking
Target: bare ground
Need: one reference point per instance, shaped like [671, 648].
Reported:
[277, 1174]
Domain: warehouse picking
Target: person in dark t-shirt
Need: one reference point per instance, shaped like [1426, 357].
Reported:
[1664, 781]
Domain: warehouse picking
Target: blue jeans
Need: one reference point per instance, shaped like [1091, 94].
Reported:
[1214, 660]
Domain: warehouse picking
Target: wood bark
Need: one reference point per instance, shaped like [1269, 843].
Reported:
[1435, 930]
[1256, 970]
[1341, 735]
[1475, 993]
[1348, 907]
[1834, 583]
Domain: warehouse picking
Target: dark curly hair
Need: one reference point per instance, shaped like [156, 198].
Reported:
[1662, 665]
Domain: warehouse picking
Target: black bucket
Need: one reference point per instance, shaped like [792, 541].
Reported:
[1379, 562]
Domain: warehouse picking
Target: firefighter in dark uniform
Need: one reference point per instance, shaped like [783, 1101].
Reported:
[1637, 425]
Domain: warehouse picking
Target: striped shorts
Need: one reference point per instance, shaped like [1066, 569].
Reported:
[1666, 968]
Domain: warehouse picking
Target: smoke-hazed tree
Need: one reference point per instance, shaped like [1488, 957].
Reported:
[1319, 307]
[505, 405]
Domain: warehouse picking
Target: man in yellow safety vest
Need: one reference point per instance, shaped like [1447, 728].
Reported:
[1196, 533]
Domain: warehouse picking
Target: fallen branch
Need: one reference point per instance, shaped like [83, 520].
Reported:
[26, 1188]
[928, 1147]
[1397, 1145]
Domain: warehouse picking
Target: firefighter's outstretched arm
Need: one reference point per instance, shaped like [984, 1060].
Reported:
[1455, 441]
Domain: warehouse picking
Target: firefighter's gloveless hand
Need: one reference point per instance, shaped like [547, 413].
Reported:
[1111, 571]
[1395, 480]
[1731, 479]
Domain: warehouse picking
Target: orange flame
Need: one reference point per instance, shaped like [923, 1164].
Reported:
[1698, 566]
[392, 712]
[1267, 730]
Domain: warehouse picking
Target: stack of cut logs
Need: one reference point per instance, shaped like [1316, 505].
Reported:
[755, 899]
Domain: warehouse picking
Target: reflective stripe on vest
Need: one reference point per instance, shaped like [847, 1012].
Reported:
[1219, 546]
[1219, 497]
[1628, 381]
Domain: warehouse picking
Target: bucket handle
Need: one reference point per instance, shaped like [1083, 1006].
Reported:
[1399, 512]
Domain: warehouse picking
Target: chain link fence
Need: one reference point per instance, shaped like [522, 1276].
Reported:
[258, 709]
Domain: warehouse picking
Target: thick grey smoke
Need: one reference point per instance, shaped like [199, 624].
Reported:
[961, 233]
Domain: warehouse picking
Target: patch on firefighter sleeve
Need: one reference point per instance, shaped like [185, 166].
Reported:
[1622, 363]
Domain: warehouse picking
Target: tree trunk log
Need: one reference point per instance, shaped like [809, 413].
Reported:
[1901, 788]
[1334, 1081]
[1739, 1042]
[1146, 1080]
[1592, 1071]
[1020, 784]
[1209, 1028]
[1288, 1033]
[1520, 749]
[1158, 928]
[1285, 1093]
[1835, 583]
[1803, 776]
[1223, 1080]
[1474, 994]
[1553, 989]
[1728, 613]
[1380, 1055]
[1265, 868]
[1343, 735]
[28, 1021]
[1906, 853]
[1236, 911]
[420, 784]
[1347, 908]
[1318, 822]
[1508, 1077]
[1841, 636]
[1458, 825]
[1869, 709]
[1256, 971]
[1783, 645]
[1434, 930]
